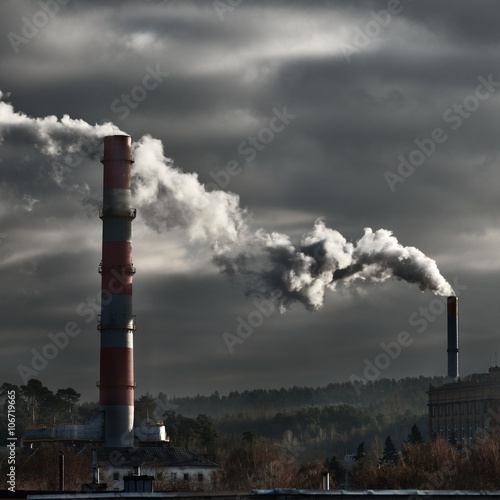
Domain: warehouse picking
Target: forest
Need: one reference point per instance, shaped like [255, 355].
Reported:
[367, 436]
[334, 418]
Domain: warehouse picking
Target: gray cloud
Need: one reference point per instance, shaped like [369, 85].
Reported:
[352, 122]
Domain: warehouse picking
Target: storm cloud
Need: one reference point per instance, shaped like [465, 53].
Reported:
[362, 94]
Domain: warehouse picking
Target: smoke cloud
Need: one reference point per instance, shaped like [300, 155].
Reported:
[269, 264]
[273, 266]
[170, 198]
[50, 135]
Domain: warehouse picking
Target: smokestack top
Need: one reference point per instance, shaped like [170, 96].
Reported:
[452, 301]
[118, 157]
[117, 147]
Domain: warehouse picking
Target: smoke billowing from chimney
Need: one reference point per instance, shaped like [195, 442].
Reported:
[169, 198]
[322, 261]
[52, 136]
[270, 262]
[267, 263]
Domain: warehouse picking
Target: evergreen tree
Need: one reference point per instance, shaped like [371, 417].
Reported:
[206, 433]
[145, 408]
[390, 454]
[39, 400]
[360, 453]
[66, 400]
[415, 436]
[249, 437]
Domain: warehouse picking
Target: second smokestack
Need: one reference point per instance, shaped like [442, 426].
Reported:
[453, 337]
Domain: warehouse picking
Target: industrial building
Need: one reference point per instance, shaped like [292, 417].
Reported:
[177, 467]
[464, 407]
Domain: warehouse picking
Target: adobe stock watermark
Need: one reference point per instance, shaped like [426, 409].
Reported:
[392, 350]
[39, 20]
[364, 36]
[250, 148]
[11, 440]
[245, 328]
[223, 6]
[455, 116]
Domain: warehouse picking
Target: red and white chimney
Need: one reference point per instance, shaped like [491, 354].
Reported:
[117, 322]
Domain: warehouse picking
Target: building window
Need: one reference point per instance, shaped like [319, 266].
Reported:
[478, 406]
[116, 476]
[441, 409]
[433, 410]
[200, 478]
[485, 406]
[470, 408]
[173, 476]
[186, 477]
[463, 408]
[455, 409]
[448, 409]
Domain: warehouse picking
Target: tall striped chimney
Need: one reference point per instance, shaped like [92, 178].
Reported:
[453, 337]
[117, 323]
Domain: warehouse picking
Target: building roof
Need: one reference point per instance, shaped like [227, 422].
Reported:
[492, 378]
[151, 456]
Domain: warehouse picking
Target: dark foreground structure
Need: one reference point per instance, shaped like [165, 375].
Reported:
[277, 494]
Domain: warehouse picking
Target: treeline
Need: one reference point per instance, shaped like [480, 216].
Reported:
[334, 417]
[320, 431]
[36, 404]
[388, 396]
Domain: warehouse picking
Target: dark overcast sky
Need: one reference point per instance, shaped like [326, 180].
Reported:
[363, 85]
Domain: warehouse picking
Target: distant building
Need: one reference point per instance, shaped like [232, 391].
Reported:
[169, 466]
[463, 407]
[178, 467]
[90, 434]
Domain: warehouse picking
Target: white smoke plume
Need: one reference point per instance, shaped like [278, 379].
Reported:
[269, 264]
[170, 198]
[52, 136]
[273, 266]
